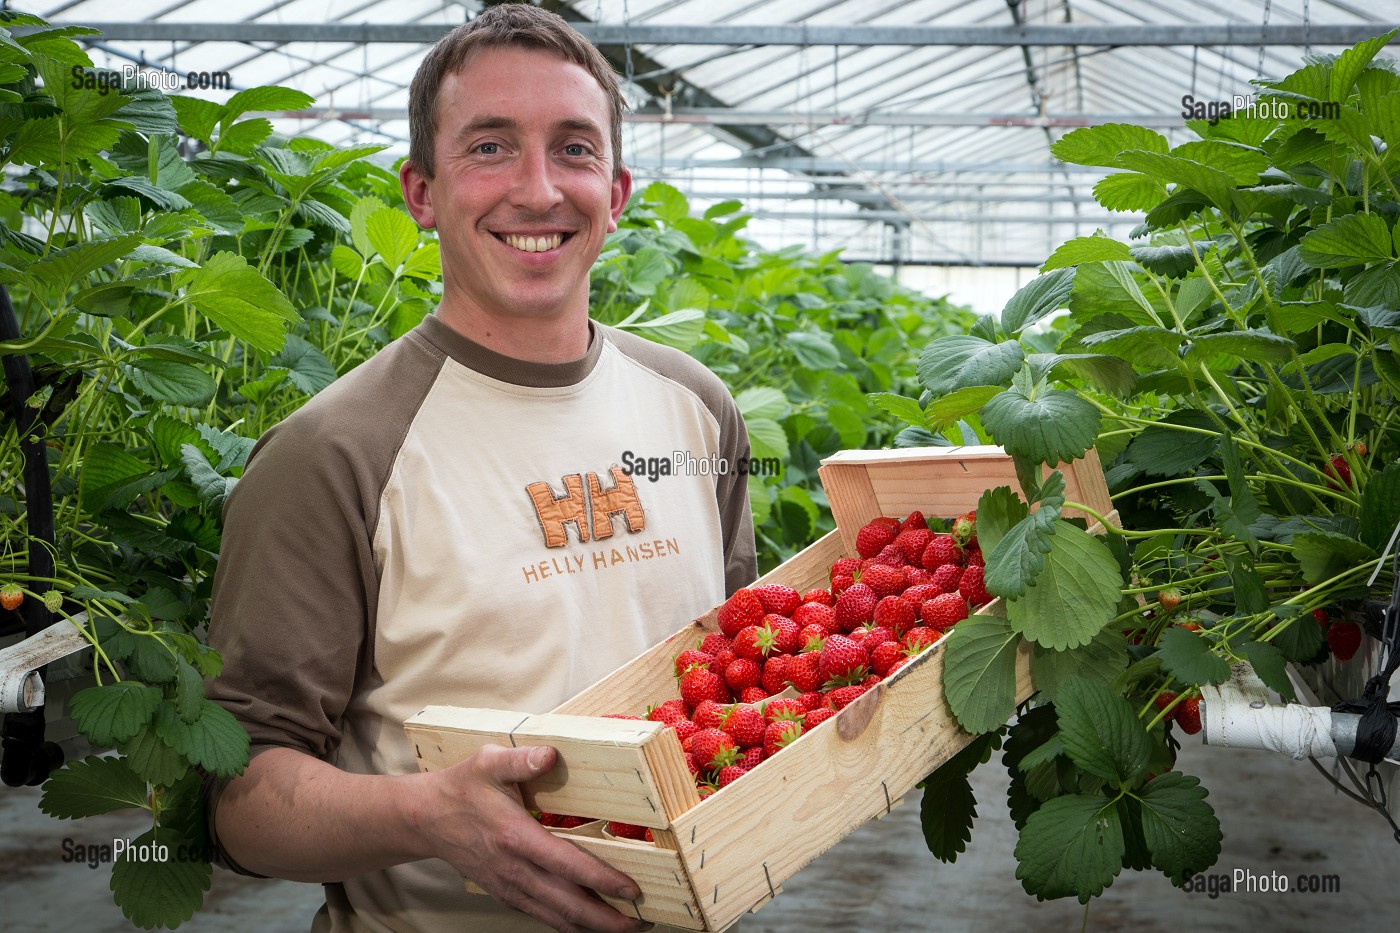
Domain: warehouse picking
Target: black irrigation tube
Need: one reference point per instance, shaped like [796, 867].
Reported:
[27, 758]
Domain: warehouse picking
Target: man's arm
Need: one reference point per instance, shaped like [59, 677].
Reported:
[296, 817]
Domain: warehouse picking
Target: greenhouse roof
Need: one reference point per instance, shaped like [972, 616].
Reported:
[895, 130]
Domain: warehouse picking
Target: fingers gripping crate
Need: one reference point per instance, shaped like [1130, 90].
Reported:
[714, 860]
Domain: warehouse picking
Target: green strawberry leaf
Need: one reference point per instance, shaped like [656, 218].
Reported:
[1351, 240]
[1269, 664]
[1301, 640]
[1073, 596]
[151, 758]
[1188, 658]
[1324, 554]
[951, 363]
[1072, 845]
[161, 894]
[237, 298]
[1101, 733]
[113, 713]
[1380, 506]
[958, 405]
[1086, 249]
[948, 807]
[979, 676]
[998, 511]
[1020, 555]
[1043, 295]
[1169, 451]
[1101, 660]
[92, 786]
[214, 741]
[1181, 829]
[1103, 144]
[1051, 426]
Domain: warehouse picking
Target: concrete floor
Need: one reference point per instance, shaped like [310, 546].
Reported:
[1278, 815]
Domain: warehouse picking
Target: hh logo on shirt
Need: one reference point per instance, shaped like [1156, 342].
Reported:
[587, 506]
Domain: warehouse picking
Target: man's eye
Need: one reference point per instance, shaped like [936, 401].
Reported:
[488, 148]
[576, 149]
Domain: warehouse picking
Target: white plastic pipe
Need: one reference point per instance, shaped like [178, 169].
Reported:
[21, 687]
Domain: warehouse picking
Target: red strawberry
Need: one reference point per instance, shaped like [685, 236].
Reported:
[11, 596]
[785, 634]
[714, 643]
[670, 712]
[812, 636]
[731, 773]
[917, 576]
[842, 582]
[1169, 598]
[785, 708]
[871, 680]
[627, 830]
[775, 673]
[876, 635]
[751, 757]
[882, 658]
[897, 665]
[894, 613]
[913, 542]
[856, 606]
[713, 749]
[723, 658]
[692, 657]
[940, 551]
[804, 671]
[744, 725]
[973, 588]
[818, 595]
[753, 695]
[816, 717]
[947, 578]
[1322, 617]
[1344, 638]
[842, 697]
[708, 714]
[844, 566]
[972, 557]
[780, 734]
[742, 673]
[739, 611]
[873, 538]
[917, 639]
[702, 684]
[816, 614]
[915, 520]
[965, 528]
[1338, 469]
[1188, 715]
[892, 556]
[777, 598]
[751, 642]
[811, 700]
[919, 592]
[1164, 699]
[943, 612]
[843, 660]
[684, 729]
[704, 789]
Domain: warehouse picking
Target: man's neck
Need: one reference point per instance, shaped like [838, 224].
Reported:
[536, 340]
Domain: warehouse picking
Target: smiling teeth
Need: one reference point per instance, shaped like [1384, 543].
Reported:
[534, 244]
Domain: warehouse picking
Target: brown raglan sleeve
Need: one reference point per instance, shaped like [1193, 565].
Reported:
[295, 590]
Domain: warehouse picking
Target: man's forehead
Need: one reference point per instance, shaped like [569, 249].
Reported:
[485, 63]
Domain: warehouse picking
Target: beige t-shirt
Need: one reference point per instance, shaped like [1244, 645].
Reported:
[446, 525]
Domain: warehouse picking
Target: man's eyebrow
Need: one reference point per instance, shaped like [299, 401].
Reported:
[481, 124]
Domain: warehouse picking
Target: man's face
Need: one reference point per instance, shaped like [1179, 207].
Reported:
[524, 193]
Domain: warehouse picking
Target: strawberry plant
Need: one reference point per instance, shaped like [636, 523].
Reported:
[800, 340]
[1235, 366]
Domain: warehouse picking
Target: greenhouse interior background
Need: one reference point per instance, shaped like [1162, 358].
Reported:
[912, 135]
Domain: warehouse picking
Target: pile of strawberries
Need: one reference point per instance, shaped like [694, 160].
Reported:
[784, 662]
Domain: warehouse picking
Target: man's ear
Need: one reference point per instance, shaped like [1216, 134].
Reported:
[416, 196]
[621, 191]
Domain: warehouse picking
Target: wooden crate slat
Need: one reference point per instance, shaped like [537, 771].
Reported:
[645, 680]
[602, 769]
[666, 891]
[809, 568]
[822, 788]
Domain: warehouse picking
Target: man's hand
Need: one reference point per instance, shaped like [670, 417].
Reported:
[474, 812]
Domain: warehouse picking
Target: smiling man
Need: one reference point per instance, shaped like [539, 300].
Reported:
[448, 523]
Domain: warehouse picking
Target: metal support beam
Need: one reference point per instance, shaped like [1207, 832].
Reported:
[816, 166]
[899, 217]
[794, 34]
[708, 116]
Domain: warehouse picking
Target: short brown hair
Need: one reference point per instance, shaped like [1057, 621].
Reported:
[511, 24]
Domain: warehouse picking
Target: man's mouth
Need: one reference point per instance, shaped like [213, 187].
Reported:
[533, 244]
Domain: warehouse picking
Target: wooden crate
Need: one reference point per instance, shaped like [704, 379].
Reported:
[715, 860]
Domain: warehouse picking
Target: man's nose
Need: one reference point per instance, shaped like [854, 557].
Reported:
[535, 187]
